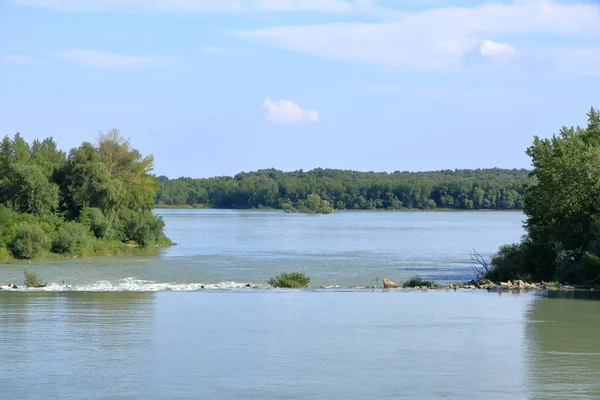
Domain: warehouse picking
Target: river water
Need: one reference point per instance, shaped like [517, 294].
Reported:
[142, 328]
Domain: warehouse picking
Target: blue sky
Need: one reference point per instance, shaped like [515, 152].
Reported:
[215, 87]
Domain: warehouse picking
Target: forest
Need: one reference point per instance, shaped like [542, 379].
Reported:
[97, 200]
[562, 207]
[322, 190]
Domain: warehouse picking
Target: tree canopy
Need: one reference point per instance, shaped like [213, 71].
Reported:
[270, 188]
[563, 210]
[69, 204]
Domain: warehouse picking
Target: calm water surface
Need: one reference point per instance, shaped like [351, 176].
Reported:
[298, 345]
[225, 249]
[141, 328]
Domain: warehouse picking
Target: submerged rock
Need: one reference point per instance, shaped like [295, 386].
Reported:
[387, 284]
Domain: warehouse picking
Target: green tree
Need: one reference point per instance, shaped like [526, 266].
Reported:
[27, 189]
[562, 207]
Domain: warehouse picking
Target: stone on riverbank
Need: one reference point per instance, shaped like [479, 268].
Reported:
[387, 284]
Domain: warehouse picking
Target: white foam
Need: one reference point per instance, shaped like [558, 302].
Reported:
[135, 285]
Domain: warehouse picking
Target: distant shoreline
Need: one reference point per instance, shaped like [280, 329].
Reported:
[188, 207]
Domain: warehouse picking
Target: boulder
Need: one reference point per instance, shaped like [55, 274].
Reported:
[12, 286]
[387, 284]
[506, 284]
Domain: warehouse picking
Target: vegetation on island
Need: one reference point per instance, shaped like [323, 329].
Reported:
[322, 190]
[33, 280]
[417, 281]
[98, 200]
[562, 206]
[294, 280]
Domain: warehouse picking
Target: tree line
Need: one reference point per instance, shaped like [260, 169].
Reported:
[492, 189]
[98, 199]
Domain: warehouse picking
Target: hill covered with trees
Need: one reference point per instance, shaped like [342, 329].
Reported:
[323, 189]
[98, 200]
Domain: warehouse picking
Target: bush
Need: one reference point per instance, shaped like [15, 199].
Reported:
[95, 221]
[512, 262]
[145, 229]
[417, 281]
[292, 280]
[71, 238]
[33, 279]
[29, 241]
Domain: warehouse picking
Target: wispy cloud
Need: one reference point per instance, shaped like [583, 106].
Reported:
[18, 59]
[285, 111]
[437, 38]
[99, 59]
[211, 49]
[335, 6]
[379, 89]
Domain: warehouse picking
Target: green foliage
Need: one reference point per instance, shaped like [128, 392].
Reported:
[71, 238]
[314, 205]
[562, 208]
[95, 221]
[512, 263]
[77, 205]
[417, 281]
[29, 241]
[27, 190]
[293, 280]
[145, 229]
[290, 191]
[33, 279]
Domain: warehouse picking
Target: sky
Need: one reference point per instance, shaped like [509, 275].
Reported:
[216, 87]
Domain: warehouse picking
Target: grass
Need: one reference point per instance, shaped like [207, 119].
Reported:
[417, 281]
[294, 280]
[33, 279]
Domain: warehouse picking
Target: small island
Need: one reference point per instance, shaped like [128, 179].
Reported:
[98, 200]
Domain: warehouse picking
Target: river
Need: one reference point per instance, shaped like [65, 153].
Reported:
[142, 328]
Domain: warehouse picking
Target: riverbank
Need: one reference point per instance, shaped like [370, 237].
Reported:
[97, 249]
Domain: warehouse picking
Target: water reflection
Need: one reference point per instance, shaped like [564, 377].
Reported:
[563, 350]
[55, 342]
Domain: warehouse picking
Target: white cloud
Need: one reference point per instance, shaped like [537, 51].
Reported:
[490, 52]
[99, 59]
[336, 6]
[18, 59]
[283, 111]
[437, 38]
[496, 51]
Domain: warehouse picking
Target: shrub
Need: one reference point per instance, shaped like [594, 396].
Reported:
[290, 280]
[29, 241]
[511, 262]
[33, 279]
[417, 281]
[145, 229]
[71, 238]
[95, 221]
